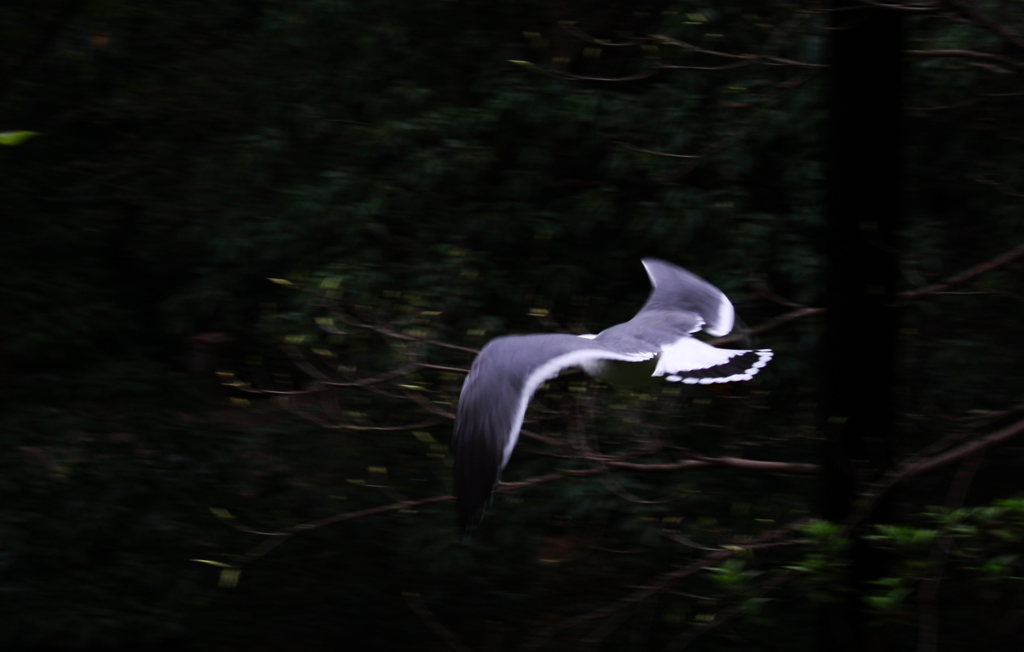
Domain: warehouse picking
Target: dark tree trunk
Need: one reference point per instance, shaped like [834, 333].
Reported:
[863, 205]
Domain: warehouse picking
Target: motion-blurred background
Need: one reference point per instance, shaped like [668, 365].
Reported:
[248, 248]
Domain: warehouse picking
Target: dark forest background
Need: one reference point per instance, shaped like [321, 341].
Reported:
[248, 249]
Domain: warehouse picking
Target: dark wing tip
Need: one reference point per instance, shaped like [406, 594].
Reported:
[477, 470]
[743, 366]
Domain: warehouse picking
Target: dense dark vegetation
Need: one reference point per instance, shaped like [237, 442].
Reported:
[332, 204]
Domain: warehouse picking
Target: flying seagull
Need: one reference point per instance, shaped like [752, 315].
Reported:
[657, 342]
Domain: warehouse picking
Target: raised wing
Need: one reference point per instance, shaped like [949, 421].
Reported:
[676, 289]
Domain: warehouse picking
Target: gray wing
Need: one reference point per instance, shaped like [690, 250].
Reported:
[493, 403]
[508, 370]
[676, 289]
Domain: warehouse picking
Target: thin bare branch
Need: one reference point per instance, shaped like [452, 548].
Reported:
[390, 375]
[725, 66]
[430, 406]
[968, 274]
[587, 38]
[1001, 187]
[775, 322]
[437, 367]
[771, 296]
[918, 8]
[323, 423]
[668, 40]
[969, 54]
[387, 332]
[656, 153]
[249, 389]
[346, 516]
[742, 59]
[944, 107]
[960, 452]
[735, 462]
[980, 19]
[640, 75]
[782, 61]
[919, 465]
[678, 538]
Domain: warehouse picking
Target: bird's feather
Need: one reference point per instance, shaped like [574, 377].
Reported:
[493, 404]
[509, 370]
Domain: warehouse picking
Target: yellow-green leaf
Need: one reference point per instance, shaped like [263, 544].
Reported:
[15, 137]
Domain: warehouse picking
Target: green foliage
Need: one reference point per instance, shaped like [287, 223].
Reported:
[971, 549]
[825, 567]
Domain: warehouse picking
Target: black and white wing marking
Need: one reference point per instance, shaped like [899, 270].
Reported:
[509, 370]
